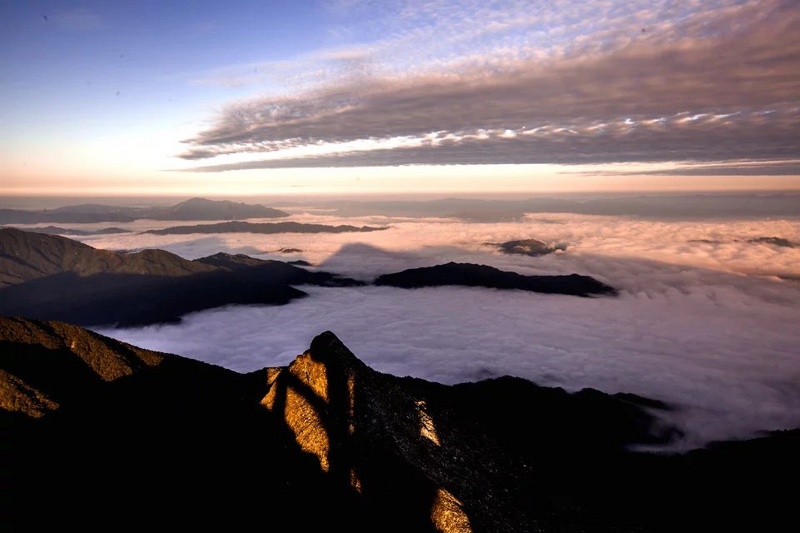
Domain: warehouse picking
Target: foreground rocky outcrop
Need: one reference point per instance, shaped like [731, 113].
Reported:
[98, 434]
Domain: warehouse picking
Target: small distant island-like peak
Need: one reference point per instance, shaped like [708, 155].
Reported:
[472, 275]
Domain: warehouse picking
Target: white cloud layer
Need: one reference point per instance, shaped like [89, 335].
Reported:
[706, 320]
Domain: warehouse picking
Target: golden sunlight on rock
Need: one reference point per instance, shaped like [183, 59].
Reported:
[312, 373]
[355, 482]
[272, 374]
[447, 515]
[305, 404]
[107, 362]
[308, 428]
[300, 415]
[351, 398]
[426, 427]
[18, 396]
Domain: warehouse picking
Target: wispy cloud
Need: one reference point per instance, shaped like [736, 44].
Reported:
[623, 85]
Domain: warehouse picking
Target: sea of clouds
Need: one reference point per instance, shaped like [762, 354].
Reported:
[707, 320]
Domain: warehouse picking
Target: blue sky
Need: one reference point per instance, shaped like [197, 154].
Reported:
[351, 95]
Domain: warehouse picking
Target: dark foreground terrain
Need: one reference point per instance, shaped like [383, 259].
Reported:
[99, 435]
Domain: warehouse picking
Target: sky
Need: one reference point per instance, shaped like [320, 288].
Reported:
[355, 96]
[706, 318]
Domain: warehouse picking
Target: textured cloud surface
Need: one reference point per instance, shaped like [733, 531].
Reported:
[536, 82]
[706, 320]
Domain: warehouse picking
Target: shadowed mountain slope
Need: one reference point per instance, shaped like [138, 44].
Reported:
[471, 275]
[28, 255]
[98, 432]
[54, 278]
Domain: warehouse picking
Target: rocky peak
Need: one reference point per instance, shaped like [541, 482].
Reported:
[380, 440]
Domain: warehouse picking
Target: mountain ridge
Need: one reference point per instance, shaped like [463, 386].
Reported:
[53, 277]
[191, 209]
[472, 275]
[326, 442]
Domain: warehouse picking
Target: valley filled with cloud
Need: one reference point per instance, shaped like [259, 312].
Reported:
[705, 319]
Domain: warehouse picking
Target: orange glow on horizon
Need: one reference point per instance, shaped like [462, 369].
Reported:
[429, 180]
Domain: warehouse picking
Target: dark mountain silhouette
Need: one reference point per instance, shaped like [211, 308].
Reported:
[530, 247]
[126, 300]
[55, 278]
[98, 433]
[51, 277]
[471, 275]
[263, 227]
[192, 209]
[771, 241]
[775, 241]
[21, 216]
[203, 209]
[56, 230]
[278, 271]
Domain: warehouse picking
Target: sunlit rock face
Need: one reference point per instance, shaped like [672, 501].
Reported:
[304, 405]
[70, 357]
[376, 437]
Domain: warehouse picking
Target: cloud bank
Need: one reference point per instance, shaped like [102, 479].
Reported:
[706, 320]
[658, 83]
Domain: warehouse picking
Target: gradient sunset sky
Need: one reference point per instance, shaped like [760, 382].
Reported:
[355, 96]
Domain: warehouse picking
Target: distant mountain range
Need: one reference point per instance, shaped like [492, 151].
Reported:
[56, 230]
[480, 210]
[52, 277]
[100, 434]
[771, 241]
[192, 209]
[687, 206]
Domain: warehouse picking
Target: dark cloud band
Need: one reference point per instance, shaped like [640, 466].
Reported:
[730, 94]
